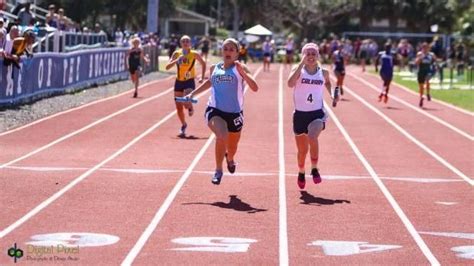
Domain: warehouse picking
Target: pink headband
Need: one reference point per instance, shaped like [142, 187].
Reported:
[308, 46]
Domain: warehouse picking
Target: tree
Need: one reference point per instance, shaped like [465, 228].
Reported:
[307, 15]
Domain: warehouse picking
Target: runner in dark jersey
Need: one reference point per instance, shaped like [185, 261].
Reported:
[132, 61]
[339, 66]
[425, 61]
[386, 59]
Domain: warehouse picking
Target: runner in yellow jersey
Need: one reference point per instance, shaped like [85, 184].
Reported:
[185, 60]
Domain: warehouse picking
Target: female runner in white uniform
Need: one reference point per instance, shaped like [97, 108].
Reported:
[308, 79]
[224, 112]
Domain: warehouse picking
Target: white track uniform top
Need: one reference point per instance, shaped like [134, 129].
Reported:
[308, 91]
[227, 90]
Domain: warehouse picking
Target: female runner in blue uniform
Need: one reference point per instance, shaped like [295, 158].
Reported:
[386, 70]
[224, 111]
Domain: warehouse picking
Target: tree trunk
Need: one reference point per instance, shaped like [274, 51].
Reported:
[235, 24]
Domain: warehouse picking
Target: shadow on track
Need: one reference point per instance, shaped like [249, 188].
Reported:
[190, 137]
[309, 199]
[234, 203]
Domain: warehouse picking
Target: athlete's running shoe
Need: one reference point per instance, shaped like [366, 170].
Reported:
[421, 102]
[380, 97]
[385, 99]
[230, 165]
[216, 179]
[428, 96]
[135, 95]
[301, 180]
[316, 176]
[182, 131]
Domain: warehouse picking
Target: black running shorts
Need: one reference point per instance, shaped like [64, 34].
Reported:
[235, 121]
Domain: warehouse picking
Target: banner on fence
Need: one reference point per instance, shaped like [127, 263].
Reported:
[52, 73]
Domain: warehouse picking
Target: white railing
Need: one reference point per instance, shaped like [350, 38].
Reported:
[62, 41]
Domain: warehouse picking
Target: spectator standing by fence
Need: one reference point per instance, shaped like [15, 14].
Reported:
[52, 17]
[25, 16]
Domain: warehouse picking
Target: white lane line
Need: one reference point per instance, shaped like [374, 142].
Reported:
[84, 128]
[81, 107]
[447, 203]
[411, 229]
[165, 206]
[283, 235]
[413, 139]
[131, 256]
[434, 100]
[419, 110]
[250, 174]
[77, 180]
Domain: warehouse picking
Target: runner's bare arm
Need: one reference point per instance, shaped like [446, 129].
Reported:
[295, 73]
[203, 64]
[174, 58]
[204, 86]
[244, 72]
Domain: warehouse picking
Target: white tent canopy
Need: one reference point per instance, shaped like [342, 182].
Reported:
[258, 30]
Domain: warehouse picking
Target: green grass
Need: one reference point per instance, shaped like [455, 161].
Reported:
[461, 98]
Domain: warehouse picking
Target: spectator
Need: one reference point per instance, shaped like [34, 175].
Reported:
[52, 18]
[25, 16]
[62, 20]
[14, 33]
[20, 46]
[3, 40]
[118, 36]
[98, 29]
[172, 45]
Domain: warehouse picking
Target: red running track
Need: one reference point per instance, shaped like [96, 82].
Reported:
[115, 185]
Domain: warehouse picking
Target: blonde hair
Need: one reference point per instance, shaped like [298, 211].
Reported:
[135, 40]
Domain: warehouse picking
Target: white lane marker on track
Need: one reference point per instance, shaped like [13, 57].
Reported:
[103, 119]
[451, 234]
[447, 203]
[411, 229]
[419, 110]
[77, 180]
[347, 248]
[80, 107]
[283, 224]
[73, 240]
[214, 244]
[270, 173]
[169, 199]
[413, 139]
